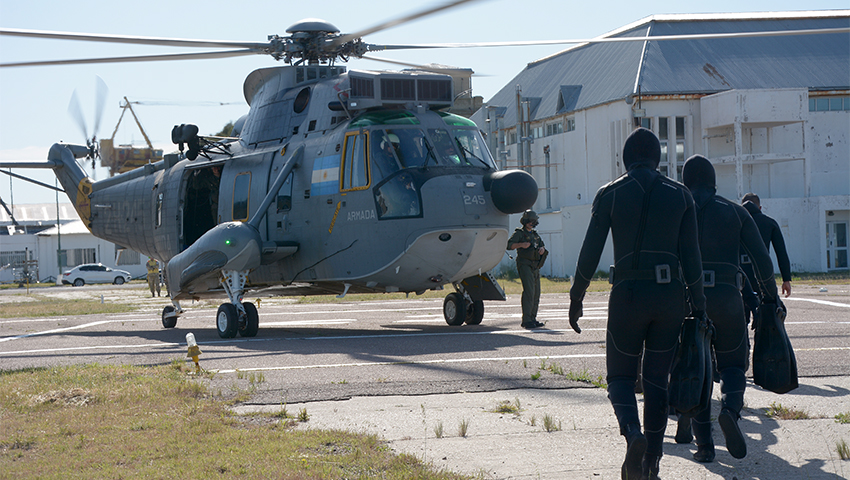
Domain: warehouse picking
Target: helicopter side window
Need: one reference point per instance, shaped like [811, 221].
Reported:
[355, 171]
[384, 161]
[446, 147]
[398, 197]
[159, 210]
[241, 192]
[284, 196]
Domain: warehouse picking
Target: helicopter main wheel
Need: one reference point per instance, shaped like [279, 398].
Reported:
[169, 320]
[454, 309]
[475, 312]
[253, 322]
[227, 320]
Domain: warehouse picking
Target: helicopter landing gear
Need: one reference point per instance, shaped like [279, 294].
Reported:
[459, 308]
[170, 314]
[236, 317]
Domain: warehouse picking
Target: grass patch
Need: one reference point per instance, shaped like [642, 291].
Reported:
[506, 406]
[99, 421]
[843, 418]
[583, 376]
[463, 428]
[776, 410]
[843, 450]
[42, 306]
[550, 424]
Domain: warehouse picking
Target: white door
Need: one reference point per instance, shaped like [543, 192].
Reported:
[836, 245]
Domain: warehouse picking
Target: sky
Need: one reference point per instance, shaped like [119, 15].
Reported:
[34, 100]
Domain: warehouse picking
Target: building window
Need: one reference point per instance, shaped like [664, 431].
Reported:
[79, 256]
[554, 128]
[571, 124]
[829, 104]
[15, 259]
[125, 256]
[668, 138]
[512, 137]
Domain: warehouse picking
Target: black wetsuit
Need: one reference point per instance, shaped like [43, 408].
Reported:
[726, 231]
[770, 233]
[648, 299]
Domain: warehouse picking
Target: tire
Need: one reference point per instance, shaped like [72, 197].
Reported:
[227, 320]
[118, 281]
[475, 312]
[168, 320]
[253, 322]
[79, 282]
[454, 309]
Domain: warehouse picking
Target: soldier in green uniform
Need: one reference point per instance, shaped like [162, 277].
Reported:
[530, 257]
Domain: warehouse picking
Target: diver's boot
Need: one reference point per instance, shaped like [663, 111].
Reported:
[650, 467]
[683, 430]
[636, 447]
[704, 453]
[735, 442]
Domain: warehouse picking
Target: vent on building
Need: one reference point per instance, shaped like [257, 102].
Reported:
[398, 89]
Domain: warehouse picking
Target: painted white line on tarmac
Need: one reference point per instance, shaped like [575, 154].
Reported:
[410, 362]
[822, 302]
[311, 323]
[57, 330]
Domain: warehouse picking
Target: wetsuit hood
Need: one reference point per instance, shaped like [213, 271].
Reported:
[752, 208]
[641, 148]
[698, 172]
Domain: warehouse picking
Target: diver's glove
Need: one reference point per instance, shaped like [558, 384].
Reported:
[576, 311]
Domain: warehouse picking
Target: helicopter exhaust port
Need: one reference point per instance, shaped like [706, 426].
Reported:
[512, 191]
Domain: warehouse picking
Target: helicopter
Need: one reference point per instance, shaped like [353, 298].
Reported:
[337, 181]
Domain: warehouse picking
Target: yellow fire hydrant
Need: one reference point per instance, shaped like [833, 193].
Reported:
[194, 350]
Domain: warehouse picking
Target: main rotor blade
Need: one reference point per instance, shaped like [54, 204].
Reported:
[140, 58]
[427, 68]
[697, 36]
[76, 113]
[162, 41]
[398, 21]
[101, 90]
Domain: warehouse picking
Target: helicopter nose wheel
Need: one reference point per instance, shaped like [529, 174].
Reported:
[457, 309]
[236, 317]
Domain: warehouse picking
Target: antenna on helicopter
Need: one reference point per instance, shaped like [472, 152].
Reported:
[76, 112]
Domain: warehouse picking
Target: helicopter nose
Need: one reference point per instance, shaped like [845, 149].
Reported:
[512, 191]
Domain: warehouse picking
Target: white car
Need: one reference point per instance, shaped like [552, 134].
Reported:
[94, 273]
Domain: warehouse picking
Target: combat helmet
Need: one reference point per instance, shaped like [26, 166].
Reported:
[529, 216]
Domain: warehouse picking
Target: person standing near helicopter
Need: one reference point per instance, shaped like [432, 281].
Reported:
[531, 253]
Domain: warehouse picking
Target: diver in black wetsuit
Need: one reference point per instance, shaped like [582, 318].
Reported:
[725, 231]
[653, 225]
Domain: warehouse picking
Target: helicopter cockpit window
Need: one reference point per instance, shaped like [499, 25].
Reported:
[241, 193]
[355, 173]
[446, 147]
[472, 148]
[410, 147]
[382, 151]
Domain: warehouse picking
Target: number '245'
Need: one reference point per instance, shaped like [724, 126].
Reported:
[473, 199]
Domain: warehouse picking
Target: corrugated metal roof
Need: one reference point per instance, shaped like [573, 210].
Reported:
[77, 227]
[611, 71]
[39, 213]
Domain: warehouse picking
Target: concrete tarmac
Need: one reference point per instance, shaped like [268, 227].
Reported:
[584, 441]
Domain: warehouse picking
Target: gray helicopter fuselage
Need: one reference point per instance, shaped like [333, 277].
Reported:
[390, 198]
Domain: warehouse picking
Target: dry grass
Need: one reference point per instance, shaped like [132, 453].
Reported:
[95, 421]
[42, 306]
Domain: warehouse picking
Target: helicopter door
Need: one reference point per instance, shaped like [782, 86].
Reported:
[201, 207]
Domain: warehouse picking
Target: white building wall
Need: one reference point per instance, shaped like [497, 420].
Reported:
[786, 149]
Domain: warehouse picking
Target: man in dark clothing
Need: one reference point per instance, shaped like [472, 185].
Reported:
[726, 231]
[654, 228]
[530, 251]
[770, 233]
